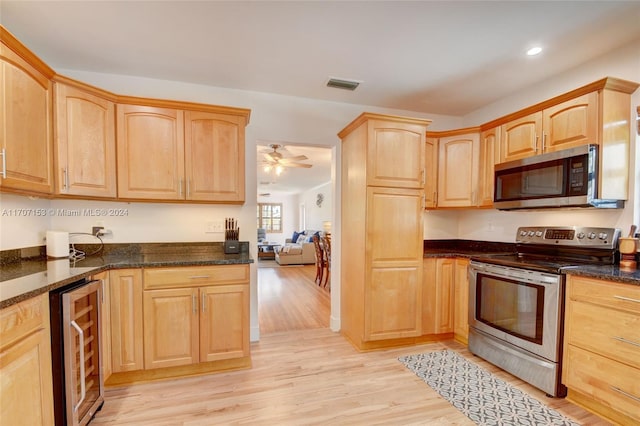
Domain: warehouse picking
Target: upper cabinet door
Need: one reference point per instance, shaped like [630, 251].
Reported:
[214, 157]
[489, 156]
[85, 143]
[458, 170]
[25, 125]
[395, 156]
[431, 173]
[520, 138]
[150, 155]
[570, 124]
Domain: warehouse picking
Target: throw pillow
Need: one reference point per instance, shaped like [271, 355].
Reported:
[301, 239]
[294, 237]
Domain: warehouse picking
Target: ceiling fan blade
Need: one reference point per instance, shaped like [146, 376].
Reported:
[296, 158]
[301, 165]
[269, 158]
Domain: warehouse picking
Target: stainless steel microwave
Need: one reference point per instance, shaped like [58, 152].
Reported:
[567, 178]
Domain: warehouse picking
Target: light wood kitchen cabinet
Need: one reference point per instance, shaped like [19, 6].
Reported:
[150, 146]
[214, 156]
[461, 301]
[520, 137]
[383, 227]
[26, 139]
[25, 364]
[438, 296]
[170, 327]
[431, 173]
[562, 126]
[195, 314]
[196, 155]
[489, 157]
[458, 166]
[394, 264]
[395, 156]
[224, 322]
[127, 352]
[602, 348]
[85, 145]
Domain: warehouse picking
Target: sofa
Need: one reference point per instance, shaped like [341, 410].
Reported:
[300, 252]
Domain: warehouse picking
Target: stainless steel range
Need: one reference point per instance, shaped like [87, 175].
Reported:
[516, 301]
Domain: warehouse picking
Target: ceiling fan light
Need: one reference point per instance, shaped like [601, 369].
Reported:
[267, 168]
[278, 170]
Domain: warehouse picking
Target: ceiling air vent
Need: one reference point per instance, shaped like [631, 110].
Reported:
[340, 83]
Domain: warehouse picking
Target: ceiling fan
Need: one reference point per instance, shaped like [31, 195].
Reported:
[276, 161]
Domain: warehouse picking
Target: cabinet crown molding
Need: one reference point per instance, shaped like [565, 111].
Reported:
[607, 83]
[374, 116]
[21, 50]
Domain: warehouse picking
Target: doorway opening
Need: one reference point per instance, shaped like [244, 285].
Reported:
[288, 296]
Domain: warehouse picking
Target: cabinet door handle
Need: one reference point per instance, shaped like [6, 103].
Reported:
[628, 299]
[623, 340]
[204, 302]
[544, 137]
[424, 181]
[180, 188]
[83, 391]
[188, 188]
[535, 135]
[198, 277]
[103, 289]
[4, 163]
[65, 179]
[627, 394]
[194, 304]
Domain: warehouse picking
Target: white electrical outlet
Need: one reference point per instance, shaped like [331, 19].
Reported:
[214, 227]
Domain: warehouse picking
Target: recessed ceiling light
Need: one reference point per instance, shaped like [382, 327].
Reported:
[534, 51]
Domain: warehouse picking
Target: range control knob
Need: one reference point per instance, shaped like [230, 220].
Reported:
[531, 233]
[580, 235]
[603, 235]
[591, 235]
[523, 233]
[538, 233]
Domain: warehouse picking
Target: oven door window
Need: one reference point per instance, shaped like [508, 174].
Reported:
[511, 306]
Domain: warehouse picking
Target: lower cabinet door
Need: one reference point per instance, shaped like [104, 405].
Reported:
[25, 379]
[224, 322]
[392, 303]
[170, 327]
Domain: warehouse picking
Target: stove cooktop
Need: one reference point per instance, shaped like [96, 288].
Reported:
[552, 249]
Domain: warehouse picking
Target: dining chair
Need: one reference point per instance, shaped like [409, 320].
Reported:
[320, 262]
[326, 246]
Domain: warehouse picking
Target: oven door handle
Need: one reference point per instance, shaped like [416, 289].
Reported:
[83, 391]
[525, 275]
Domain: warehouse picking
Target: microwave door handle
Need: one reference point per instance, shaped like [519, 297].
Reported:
[83, 392]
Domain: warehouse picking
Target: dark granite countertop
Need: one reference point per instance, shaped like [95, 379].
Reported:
[466, 248]
[607, 272]
[21, 280]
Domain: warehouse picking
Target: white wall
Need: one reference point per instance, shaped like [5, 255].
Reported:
[316, 215]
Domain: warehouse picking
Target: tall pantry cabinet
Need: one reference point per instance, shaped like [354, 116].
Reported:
[383, 173]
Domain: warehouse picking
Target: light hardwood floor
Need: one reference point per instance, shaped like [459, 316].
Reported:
[303, 377]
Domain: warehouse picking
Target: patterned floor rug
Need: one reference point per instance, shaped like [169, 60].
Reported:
[478, 394]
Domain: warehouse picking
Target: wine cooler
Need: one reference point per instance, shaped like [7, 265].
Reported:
[76, 352]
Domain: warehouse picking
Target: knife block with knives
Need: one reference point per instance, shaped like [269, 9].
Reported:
[231, 236]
